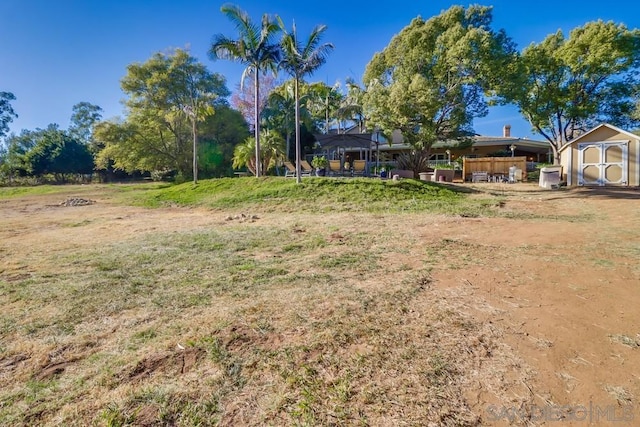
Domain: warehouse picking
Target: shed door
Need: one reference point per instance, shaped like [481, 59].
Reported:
[602, 163]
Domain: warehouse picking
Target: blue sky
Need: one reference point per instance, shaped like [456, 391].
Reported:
[54, 54]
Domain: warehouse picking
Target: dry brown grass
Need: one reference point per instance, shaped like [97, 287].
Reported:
[114, 315]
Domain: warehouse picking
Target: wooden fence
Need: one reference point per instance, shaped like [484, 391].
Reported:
[492, 165]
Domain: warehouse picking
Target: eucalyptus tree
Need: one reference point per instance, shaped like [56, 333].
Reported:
[299, 59]
[565, 85]
[7, 114]
[254, 48]
[84, 116]
[429, 82]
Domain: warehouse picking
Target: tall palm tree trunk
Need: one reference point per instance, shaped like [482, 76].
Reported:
[257, 121]
[298, 149]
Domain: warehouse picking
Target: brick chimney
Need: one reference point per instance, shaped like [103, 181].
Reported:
[506, 131]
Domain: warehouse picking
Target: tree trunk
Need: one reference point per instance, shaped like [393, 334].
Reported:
[257, 120]
[556, 157]
[288, 145]
[555, 147]
[298, 157]
[195, 148]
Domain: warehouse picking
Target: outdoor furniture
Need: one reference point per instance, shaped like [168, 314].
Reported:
[307, 169]
[359, 167]
[290, 170]
[335, 167]
[480, 176]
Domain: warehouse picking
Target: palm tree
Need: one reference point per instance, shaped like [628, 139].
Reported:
[300, 60]
[279, 110]
[279, 113]
[324, 101]
[272, 152]
[351, 108]
[254, 48]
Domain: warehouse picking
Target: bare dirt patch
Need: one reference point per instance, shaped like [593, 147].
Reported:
[174, 363]
[525, 319]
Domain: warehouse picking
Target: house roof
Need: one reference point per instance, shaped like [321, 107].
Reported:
[610, 126]
[332, 140]
[530, 144]
[367, 140]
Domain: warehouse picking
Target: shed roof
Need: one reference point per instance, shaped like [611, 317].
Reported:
[600, 126]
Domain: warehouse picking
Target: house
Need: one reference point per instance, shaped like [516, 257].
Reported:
[372, 146]
[604, 156]
[496, 146]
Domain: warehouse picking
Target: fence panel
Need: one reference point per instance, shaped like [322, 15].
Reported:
[492, 165]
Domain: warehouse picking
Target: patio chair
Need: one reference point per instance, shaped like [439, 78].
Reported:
[335, 167]
[290, 170]
[307, 169]
[359, 167]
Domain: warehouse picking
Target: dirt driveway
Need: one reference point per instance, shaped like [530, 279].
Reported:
[559, 277]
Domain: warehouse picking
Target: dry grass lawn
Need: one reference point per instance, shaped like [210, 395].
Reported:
[117, 315]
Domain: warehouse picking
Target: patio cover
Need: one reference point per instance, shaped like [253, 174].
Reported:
[345, 140]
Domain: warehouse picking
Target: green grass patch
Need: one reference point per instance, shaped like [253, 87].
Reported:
[14, 192]
[314, 194]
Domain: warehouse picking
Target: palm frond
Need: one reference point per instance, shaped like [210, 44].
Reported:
[241, 20]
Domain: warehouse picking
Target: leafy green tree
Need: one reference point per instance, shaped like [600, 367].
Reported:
[429, 82]
[254, 48]
[84, 116]
[564, 86]
[137, 144]
[57, 153]
[7, 114]
[299, 59]
[636, 113]
[13, 156]
[219, 135]
[272, 151]
[133, 144]
[168, 95]
[17, 158]
[179, 86]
